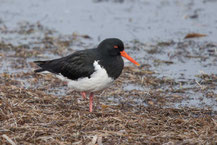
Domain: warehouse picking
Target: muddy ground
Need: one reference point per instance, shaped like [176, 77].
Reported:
[170, 99]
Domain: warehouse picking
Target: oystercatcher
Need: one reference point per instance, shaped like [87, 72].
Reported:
[89, 70]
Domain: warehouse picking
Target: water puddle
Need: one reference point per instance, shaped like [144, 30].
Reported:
[198, 102]
[130, 87]
[142, 20]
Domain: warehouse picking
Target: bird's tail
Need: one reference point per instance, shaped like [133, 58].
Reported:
[39, 63]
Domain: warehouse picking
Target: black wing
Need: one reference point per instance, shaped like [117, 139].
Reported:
[74, 66]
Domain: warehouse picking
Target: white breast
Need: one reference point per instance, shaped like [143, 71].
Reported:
[99, 80]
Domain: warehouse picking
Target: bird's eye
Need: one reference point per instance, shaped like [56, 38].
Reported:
[115, 46]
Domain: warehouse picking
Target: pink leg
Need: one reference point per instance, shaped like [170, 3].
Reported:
[83, 94]
[91, 102]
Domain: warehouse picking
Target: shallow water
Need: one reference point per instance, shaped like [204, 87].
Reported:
[143, 19]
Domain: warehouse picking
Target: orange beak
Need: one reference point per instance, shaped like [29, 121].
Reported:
[124, 54]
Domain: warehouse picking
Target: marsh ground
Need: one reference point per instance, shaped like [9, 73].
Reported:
[171, 98]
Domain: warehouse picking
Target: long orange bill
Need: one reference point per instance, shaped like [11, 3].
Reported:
[124, 54]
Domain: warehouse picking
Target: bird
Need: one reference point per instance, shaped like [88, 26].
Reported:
[90, 70]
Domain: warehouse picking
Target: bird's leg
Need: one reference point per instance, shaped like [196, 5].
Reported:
[91, 102]
[83, 94]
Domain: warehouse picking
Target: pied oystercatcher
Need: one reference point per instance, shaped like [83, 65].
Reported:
[89, 70]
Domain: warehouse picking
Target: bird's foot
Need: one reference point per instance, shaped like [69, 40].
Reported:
[83, 94]
[91, 102]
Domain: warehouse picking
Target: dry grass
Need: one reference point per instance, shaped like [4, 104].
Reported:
[30, 116]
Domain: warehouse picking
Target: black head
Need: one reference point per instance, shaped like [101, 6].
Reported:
[111, 46]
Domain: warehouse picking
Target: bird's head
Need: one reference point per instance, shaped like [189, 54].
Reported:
[114, 47]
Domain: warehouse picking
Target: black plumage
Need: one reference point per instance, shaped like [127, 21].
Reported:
[80, 63]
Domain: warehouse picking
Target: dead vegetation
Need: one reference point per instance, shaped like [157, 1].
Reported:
[33, 116]
[29, 116]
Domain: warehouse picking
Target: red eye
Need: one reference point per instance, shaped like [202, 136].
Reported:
[115, 46]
